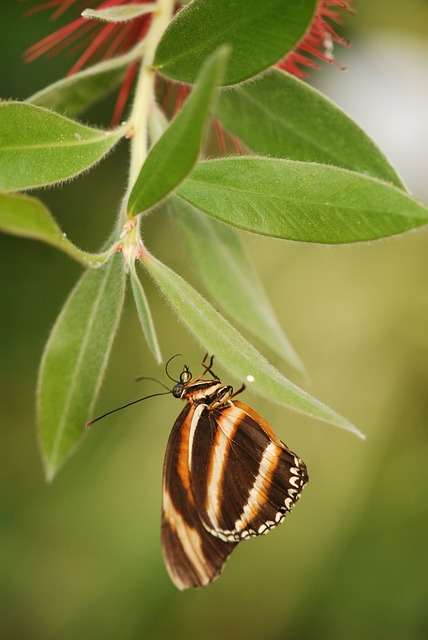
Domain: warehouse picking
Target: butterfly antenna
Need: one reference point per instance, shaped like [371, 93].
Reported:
[166, 366]
[138, 378]
[153, 395]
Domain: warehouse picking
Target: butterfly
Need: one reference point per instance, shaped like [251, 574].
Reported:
[227, 477]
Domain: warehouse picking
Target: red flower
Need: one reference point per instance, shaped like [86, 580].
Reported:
[94, 40]
[319, 39]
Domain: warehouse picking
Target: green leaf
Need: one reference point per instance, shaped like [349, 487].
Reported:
[39, 147]
[300, 201]
[76, 93]
[260, 34]
[233, 351]
[230, 277]
[174, 155]
[121, 13]
[144, 314]
[299, 123]
[24, 216]
[75, 359]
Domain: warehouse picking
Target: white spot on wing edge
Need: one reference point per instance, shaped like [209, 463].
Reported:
[295, 481]
[288, 503]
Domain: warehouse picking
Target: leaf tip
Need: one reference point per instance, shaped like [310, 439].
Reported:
[158, 357]
[50, 472]
[353, 429]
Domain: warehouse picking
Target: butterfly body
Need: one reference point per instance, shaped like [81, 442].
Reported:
[227, 477]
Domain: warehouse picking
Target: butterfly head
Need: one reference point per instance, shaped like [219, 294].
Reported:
[200, 390]
[185, 378]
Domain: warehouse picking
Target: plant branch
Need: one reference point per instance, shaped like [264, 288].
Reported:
[144, 94]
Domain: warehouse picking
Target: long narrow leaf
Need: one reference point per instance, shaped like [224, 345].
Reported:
[230, 277]
[144, 313]
[301, 201]
[175, 153]
[75, 359]
[233, 351]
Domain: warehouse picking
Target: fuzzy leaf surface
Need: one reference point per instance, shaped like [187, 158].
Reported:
[174, 155]
[25, 216]
[301, 201]
[230, 277]
[120, 13]
[260, 34]
[144, 313]
[39, 147]
[299, 123]
[73, 94]
[234, 352]
[75, 359]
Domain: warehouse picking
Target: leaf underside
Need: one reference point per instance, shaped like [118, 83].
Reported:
[233, 351]
[75, 359]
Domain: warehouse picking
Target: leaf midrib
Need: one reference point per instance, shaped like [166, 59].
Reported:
[59, 145]
[306, 138]
[75, 377]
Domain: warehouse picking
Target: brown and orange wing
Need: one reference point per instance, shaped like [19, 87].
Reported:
[244, 480]
[193, 556]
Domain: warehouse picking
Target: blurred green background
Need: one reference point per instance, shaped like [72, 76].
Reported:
[81, 558]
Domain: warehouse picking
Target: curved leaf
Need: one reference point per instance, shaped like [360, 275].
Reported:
[175, 153]
[260, 34]
[301, 201]
[233, 351]
[39, 147]
[24, 216]
[75, 359]
[230, 277]
[299, 123]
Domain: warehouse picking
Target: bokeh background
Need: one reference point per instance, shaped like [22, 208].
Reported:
[81, 558]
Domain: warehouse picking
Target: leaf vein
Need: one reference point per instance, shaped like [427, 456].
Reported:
[78, 365]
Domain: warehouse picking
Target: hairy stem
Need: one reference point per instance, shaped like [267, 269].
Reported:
[144, 95]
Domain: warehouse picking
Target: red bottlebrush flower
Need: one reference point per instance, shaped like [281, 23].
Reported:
[94, 40]
[100, 40]
[319, 39]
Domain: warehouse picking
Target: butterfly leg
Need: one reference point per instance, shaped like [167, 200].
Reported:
[208, 366]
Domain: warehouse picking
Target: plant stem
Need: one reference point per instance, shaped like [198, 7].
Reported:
[144, 94]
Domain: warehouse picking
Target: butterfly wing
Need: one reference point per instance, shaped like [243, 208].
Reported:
[193, 556]
[243, 478]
